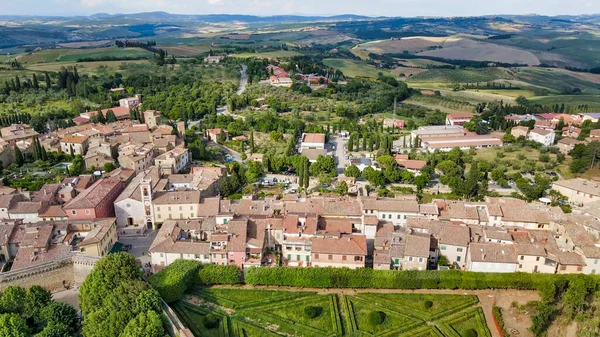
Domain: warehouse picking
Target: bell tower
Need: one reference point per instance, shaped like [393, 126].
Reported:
[146, 190]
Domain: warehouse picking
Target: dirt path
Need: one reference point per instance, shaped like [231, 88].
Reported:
[486, 299]
[516, 322]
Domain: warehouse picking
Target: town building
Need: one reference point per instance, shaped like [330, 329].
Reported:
[130, 102]
[74, 144]
[97, 201]
[348, 251]
[542, 136]
[312, 141]
[17, 132]
[100, 240]
[566, 145]
[519, 131]
[152, 118]
[491, 258]
[214, 59]
[458, 118]
[463, 142]
[173, 161]
[136, 157]
[578, 191]
[214, 134]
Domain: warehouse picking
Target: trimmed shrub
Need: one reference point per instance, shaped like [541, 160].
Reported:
[215, 274]
[211, 321]
[428, 304]
[410, 279]
[173, 281]
[376, 318]
[312, 312]
[469, 333]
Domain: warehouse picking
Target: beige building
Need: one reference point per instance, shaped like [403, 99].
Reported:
[152, 118]
[79, 144]
[533, 258]
[519, 131]
[136, 157]
[173, 161]
[175, 205]
[453, 243]
[579, 191]
[565, 145]
[101, 239]
[346, 251]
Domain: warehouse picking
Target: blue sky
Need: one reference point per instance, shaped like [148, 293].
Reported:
[309, 7]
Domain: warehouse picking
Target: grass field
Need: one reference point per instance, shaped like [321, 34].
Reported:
[421, 63]
[72, 55]
[522, 159]
[270, 54]
[556, 81]
[354, 68]
[573, 101]
[440, 103]
[258, 313]
[461, 75]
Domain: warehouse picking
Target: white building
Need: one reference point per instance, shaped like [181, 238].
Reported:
[179, 240]
[542, 136]
[579, 191]
[491, 258]
[129, 207]
[130, 102]
[395, 211]
[174, 160]
[454, 243]
[312, 141]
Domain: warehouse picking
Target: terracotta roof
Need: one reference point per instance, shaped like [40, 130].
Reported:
[390, 205]
[417, 245]
[7, 200]
[569, 258]
[460, 115]
[543, 132]
[93, 196]
[581, 185]
[412, 164]
[53, 211]
[313, 138]
[454, 235]
[591, 252]
[497, 235]
[29, 256]
[595, 132]
[570, 141]
[97, 233]
[176, 197]
[492, 252]
[22, 207]
[347, 244]
[74, 139]
[530, 249]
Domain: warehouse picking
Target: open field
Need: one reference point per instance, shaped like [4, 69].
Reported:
[555, 80]
[573, 101]
[440, 103]
[257, 313]
[186, 51]
[411, 45]
[72, 55]
[354, 68]
[467, 49]
[270, 54]
[420, 63]
[505, 92]
[522, 159]
[408, 72]
[461, 75]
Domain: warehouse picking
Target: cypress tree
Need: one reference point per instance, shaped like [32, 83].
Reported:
[17, 83]
[251, 142]
[110, 116]
[101, 118]
[44, 154]
[48, 82]
[306, 173]
[36, 85]
[19, 160]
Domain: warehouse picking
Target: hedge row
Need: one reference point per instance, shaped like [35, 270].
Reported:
[173, 281]
[215, 274]
[391, 279]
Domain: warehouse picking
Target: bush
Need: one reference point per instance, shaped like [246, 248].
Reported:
[408, 279]
[312, 312]
[376, 318]
[210, 321]
[428, 304]
[173, 281]
[215, 274]
[469, 333]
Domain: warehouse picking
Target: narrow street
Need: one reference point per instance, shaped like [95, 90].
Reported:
[339, 153]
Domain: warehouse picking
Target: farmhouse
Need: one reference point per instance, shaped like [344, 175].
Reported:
[312, 141]
[464, 143]
[458, 118]
[542, 136]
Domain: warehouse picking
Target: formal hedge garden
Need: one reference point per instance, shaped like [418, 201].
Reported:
[257, 312]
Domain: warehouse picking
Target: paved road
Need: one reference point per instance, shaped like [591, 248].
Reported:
[340, 153]
[235, 155]
[140, 245]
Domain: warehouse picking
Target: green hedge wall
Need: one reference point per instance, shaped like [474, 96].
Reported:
[391, 279]
[215, 274]
[173, 281]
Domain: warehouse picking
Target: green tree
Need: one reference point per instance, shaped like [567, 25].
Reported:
[324, 164]
[13, 325]
[35, 84]
[55, 330]
[342, 188]
[47, 80]
[59, 312]
[522, 101]
[251, 142]
[100, 117]
[36, 299]
[110, 116]
[13, 300]
[78, 166]
[306, 175]
[19, 160]
[422, 180]
[145, 324]
[109, 167]
[352, 171]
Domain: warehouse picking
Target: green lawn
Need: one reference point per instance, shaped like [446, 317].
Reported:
[72, 55]
[354, 68]
[270, 313]
[556, 81]
[573, 101]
